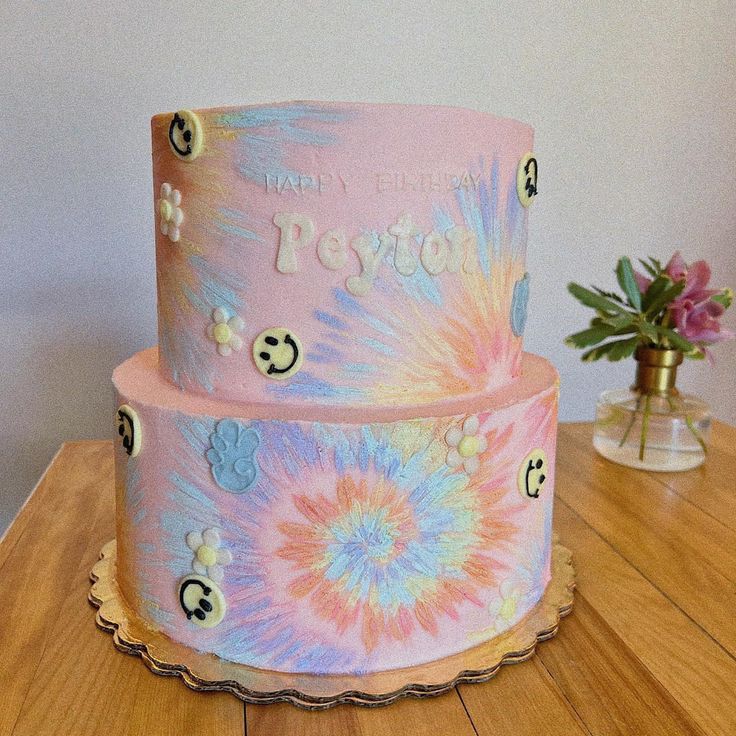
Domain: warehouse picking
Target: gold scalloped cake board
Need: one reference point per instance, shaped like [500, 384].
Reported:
[202, 671]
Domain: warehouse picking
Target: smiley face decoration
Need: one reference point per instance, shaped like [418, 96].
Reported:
[202, 601]
[277, 353]
[533, 473]
[129, 429]
[526, 179]
[185, 135]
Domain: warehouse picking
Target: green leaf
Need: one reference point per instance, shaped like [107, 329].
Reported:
[615, 350]
[656, 265]
[596, 353]
[654, 290]
[696, 354]
[590, 336]
[596, 301]
[617, 321]
[677, 341]
[609, 295]
[725, 298]
[623, 348]
[668, 295]
[651, 271]
[626, 280]
[622, 322]
[649, 331]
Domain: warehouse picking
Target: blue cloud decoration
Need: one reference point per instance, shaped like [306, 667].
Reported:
[232, 455]
[519, 301]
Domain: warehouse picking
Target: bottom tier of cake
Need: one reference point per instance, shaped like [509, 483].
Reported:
[331, 540]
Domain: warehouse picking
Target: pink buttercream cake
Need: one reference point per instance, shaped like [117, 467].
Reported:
[338, 460]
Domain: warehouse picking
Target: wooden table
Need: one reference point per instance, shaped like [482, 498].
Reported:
[650, 647]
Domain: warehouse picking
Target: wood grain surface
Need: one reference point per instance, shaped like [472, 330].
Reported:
[650, 647]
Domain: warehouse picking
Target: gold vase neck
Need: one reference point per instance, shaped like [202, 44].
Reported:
[656, 371]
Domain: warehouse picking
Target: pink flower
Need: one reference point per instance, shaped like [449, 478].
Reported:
[696, 277]
[642, 281]
[698, 322]
[694, 313]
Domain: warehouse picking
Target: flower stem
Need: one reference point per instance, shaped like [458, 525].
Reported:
[644, 426]
[631, 423]
[691, 426]
[696, 434]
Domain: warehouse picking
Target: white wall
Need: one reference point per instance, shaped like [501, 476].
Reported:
[633, 104]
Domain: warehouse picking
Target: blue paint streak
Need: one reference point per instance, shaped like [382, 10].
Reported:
[192, 492]
[215, 292]
[268, 131]
[216, 289]
[495, 231]
[421, 286]
[350, 306]
[339, 338]
[442, 219]
[240, 232]
[515, 218]
[327, 349]
[321, 359]
[378, 346]
[195, 432]
[331, 320]
[279, 116]
[474, 221]
[362, 369]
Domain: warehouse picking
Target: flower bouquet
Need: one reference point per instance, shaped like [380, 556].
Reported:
[664, 315]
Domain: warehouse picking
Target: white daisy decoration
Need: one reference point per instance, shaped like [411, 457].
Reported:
[465, 445]
[170, 212]
[223, 331]
[209, 557]
[514, 595]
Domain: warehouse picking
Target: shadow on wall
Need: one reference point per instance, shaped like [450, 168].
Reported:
[63, 392]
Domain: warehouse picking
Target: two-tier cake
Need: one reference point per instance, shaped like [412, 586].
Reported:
[338, 460]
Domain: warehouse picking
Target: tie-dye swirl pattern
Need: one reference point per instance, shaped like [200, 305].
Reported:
[426, 339]
[381, 557]
[204, 269]
[412, 339]
[357, 549]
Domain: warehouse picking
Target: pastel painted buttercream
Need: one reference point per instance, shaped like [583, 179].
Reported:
[355, 545]
[388, 237]
[338, 459]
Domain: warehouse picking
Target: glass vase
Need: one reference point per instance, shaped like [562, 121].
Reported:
[652, 426]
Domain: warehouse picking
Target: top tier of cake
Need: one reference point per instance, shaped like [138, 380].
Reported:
[341, 253]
